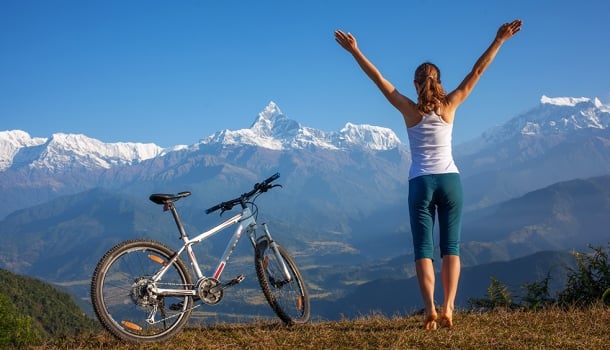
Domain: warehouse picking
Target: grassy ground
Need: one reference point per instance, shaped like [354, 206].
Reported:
[548, 329]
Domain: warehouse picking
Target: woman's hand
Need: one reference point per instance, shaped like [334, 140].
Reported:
[507, 30]
[347, 41]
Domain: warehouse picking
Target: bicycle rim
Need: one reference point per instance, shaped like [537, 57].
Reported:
[121, 297]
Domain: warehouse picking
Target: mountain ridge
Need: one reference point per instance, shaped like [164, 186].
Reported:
[551, 116]
[272, 129]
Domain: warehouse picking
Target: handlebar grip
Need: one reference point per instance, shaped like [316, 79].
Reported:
[271, 178]
[212, 209]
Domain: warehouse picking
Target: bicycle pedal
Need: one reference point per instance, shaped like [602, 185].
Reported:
[235, 281]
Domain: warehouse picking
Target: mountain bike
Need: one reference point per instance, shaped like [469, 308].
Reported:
[142, 290]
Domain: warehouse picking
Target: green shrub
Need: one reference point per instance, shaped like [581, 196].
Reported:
[537, 294]
[498, 296]
[589, 282]
[15, 330]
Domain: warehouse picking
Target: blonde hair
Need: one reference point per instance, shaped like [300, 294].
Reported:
[430, 95]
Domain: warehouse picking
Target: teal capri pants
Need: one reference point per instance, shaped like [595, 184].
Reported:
[430, 194]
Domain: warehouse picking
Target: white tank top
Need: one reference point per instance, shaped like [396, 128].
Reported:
[430, 143]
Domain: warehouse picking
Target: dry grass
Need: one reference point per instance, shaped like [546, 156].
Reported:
[549, 329]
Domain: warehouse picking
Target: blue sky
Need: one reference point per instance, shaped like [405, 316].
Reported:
[174, 72]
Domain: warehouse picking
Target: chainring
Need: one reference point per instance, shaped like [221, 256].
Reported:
[209, 290]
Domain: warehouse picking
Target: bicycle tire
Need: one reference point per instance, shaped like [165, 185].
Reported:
[289, 301]
[120, 299]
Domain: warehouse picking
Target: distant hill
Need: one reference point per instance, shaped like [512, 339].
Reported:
[565, 215]
[53, 312]
[400, 296]
[73, 232]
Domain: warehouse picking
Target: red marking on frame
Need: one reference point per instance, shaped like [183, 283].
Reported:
[219, 270]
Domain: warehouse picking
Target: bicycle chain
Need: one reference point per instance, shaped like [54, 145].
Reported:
[176, 315]
[192, 286]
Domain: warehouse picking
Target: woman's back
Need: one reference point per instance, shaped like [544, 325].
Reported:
[430, 144]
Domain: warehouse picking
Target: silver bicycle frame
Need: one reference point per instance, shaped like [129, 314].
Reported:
[246, 221]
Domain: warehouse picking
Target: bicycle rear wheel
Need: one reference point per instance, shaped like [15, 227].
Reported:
[288, 298]
[122, 292]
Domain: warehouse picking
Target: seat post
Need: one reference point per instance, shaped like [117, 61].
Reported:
[172, 208]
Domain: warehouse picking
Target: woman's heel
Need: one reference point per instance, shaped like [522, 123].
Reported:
[446, 321]
[430, 323]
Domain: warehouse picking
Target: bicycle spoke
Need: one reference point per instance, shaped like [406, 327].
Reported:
[123, 292]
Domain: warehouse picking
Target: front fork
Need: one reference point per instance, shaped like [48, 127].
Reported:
[272, 245]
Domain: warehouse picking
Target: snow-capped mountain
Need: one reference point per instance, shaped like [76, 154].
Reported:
[555, 115]
[13, 141]
[63, 151]
[560, 114]
[273, 130]
[552, 117]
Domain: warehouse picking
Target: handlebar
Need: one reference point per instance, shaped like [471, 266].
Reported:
[261, 187]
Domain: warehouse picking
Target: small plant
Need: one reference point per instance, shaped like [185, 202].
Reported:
[498, 296]
[537, 294]
[589, 282]
[606, 297]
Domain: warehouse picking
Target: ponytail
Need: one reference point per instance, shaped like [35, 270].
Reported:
[430, 95]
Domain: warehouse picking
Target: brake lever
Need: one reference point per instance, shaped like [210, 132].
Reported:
[225, 207]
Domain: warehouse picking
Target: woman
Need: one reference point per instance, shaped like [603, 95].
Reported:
[434, 182]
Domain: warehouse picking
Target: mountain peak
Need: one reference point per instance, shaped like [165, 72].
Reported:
[271, 110]
[565, 101]
[12, 141]
[274, 130]
[373, 137]
[271, 123]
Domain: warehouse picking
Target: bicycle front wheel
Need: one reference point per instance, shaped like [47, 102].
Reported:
[123, 293]
[287, 295]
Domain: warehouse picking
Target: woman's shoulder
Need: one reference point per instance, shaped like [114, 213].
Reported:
[413, 118]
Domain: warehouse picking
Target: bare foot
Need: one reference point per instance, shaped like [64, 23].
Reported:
[446, 321]
[430, 322]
